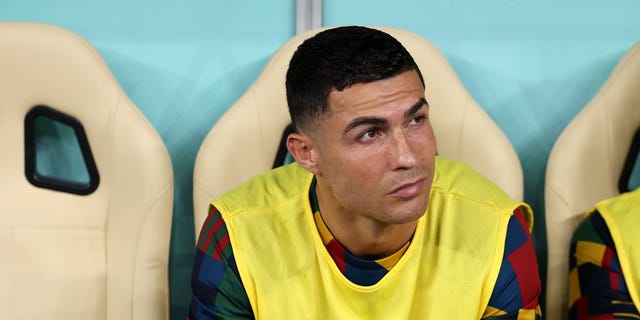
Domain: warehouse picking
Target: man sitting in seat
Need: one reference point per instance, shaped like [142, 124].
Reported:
[368, 223]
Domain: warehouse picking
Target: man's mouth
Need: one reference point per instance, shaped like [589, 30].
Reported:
[408, 190]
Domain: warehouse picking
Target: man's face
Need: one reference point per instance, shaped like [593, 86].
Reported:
[376, 149]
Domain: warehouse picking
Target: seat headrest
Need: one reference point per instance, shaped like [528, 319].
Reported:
[107, 247]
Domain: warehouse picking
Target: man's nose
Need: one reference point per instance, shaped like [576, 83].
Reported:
[403, 155]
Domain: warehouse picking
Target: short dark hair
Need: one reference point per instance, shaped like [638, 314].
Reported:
[335, 59]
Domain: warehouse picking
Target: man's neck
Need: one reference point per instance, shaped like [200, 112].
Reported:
[362, 236]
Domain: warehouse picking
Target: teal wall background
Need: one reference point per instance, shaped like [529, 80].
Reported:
[532, 65]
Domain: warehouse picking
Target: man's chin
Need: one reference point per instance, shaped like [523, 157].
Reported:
[406, 215]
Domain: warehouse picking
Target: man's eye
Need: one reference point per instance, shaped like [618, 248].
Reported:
[417, 120]
[369, 135]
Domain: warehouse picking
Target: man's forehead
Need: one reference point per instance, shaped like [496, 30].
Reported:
[359, 106]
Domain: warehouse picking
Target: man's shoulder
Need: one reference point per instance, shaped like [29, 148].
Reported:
[267, 189]
[460, 179]
[456, 180]
[624, 203]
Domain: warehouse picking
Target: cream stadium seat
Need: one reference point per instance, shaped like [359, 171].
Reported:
[584, 167]
[94, 249]
[244, 142]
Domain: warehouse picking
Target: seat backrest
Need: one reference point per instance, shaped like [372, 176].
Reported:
[101, 252]
[243, 143]
[584, 167]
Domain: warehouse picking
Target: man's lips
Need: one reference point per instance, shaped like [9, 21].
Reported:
[408, 190]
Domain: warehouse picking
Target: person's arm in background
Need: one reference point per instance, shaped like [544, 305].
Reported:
[217, 290]
[596, 284]
[515, 295]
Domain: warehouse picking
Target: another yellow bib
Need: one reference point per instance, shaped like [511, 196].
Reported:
[622, 215]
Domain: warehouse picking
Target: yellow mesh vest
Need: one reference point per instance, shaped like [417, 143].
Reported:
[448, 271]
[622, 215]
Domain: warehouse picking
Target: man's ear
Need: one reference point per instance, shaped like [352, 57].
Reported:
[304, 150]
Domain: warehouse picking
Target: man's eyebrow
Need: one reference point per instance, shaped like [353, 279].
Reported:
[416, 107]
[382, 122]
[364, 121]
